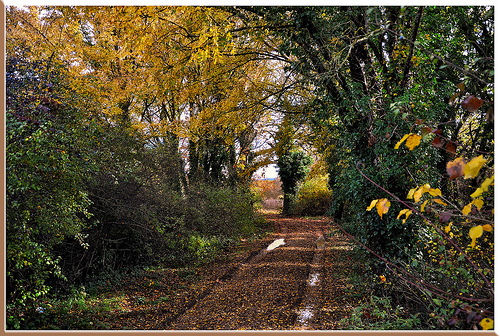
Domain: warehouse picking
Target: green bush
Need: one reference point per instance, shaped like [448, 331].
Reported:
[314, 197]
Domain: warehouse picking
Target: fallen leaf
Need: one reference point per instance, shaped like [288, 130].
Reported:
[487, 227]
[451, 148]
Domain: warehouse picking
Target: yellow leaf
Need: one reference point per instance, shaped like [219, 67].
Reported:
[406, 212]
[383, 206]
[401, 141]
[478, 202]
[447, 228]
[472, 168]
[418, 194]
[422, 208]
[372, 204]
[435, 192]
[410, 193]
[437, 200]
[487, 227]
[466, 210]
[486, 323]
[413, 141]
[476, 232]
[477, 193]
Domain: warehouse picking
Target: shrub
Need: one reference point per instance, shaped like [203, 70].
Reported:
[314, 197]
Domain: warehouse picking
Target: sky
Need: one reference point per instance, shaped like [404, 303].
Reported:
[270, 172]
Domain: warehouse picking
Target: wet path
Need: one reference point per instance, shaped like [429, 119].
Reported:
[289, 287]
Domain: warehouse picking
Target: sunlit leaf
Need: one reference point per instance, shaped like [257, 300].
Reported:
[413, 141]
[477, 193]
[487, 227]
[372, 204]
[437, 200]
[466, 210]
[435, 192]
[418, 194]
[447, 228]
[455, 168]
[401, 141]
[475, 232]
[478, 202]
[422, 207]
[410, 193]
[472, 168]
[406, 212]
[486, 323]
[472, 103]
[383, 206]
[487, 183]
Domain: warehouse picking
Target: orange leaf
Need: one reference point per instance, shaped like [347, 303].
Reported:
[438, 142]
[451, 148]
[413, 141]
[383, 206]
[455, 168]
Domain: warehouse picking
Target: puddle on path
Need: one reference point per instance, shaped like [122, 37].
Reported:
[305, 315]
[313, 279]
[275, 244]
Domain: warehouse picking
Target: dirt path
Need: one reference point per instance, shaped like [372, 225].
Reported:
[300, 285]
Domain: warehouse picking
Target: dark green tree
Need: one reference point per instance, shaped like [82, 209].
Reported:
[293, 168]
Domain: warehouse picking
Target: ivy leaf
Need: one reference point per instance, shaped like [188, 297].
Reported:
[472, 103]
[383, 206]
[455, 168]
[413, 141]
[472, 168]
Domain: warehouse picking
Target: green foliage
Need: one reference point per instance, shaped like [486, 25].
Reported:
[378, 313]
[293, 167]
